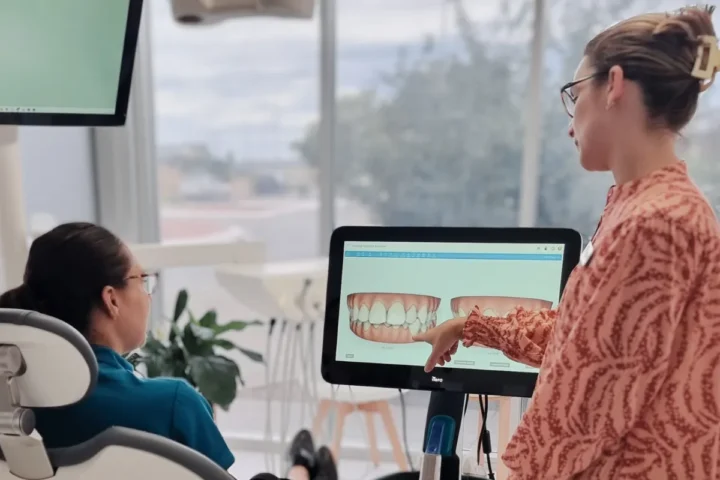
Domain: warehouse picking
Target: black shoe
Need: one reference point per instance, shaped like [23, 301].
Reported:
[302, 452]
[326, 468]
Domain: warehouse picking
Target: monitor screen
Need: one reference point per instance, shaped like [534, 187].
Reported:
[391, 290]
[67, 57]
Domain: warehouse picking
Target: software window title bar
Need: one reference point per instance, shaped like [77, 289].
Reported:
[454, 248]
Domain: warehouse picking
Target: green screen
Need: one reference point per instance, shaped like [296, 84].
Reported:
[387, 272]
[61, 56]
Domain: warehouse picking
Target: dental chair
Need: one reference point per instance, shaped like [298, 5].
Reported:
[46, 363]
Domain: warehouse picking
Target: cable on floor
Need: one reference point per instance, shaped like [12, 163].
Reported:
[403, 413]
[484, 440]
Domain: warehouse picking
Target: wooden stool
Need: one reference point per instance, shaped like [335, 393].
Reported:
[369, 401]
[503, 431]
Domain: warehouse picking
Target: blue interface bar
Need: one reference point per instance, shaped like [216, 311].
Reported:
[553, 257]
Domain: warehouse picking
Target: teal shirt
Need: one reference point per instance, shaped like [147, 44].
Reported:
[168, 407]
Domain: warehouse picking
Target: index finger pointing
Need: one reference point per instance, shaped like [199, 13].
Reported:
[421, 337]
[432, 360]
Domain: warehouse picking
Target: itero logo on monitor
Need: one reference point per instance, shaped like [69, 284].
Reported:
[436, 379]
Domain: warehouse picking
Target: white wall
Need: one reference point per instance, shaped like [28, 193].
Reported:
[58, 173]
[58, 176]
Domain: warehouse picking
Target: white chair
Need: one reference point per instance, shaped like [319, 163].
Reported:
[46, 363]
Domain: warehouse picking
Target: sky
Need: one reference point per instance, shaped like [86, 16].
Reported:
[250, 86]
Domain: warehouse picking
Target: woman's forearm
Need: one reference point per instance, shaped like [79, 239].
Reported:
[522, 335]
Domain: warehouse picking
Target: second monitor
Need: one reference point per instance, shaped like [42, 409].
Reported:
[387, 284]
[67, 62]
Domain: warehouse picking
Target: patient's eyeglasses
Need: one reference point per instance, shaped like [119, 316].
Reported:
[150, 281]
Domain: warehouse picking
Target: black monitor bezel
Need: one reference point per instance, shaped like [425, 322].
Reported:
[118, 118]
[514, 384]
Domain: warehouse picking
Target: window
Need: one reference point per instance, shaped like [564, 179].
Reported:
[429, 113]
[231, 101]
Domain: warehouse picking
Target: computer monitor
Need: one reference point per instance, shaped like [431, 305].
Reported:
[67, 62]
[385, 284]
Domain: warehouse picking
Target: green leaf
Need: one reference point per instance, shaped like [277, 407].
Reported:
[202, 333]
[190, 353]
[209, 320]
[180, 305]
[252, 355]
[216, 378]
[153, 346]
[235, 326]
[225, 344]
[159, 364]
[228, 345]
[174, 333]
[198, 340]
[163, 367]
[134, 359]
[176, 364]
[156, 367]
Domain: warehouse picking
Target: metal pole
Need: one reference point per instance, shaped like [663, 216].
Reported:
[532, 143]
[13, 231]
[326, 178]
[530, 177]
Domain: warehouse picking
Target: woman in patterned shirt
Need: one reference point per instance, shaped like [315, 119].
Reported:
[629, 383]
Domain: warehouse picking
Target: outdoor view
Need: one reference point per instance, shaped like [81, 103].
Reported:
[430, 114]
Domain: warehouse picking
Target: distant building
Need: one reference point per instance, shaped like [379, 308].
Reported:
[192, 173]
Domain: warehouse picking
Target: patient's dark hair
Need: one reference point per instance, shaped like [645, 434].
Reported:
[66, 272]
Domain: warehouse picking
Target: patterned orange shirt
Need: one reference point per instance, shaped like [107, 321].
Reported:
[629, 383]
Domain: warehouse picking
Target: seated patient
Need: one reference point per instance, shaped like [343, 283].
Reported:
[85, 276]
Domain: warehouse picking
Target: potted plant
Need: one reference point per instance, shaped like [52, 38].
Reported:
[191, 352]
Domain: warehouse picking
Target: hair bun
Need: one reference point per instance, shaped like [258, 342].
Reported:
[691, 28]
[687, 24]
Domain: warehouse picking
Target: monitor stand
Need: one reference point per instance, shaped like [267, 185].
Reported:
[450, 404]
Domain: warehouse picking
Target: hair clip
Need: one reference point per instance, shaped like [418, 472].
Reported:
[707, 62]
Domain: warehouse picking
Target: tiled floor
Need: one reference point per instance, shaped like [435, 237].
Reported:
[244, 430]
[249, 464]
[247, 417]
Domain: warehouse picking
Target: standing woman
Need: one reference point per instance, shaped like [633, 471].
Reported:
[629, 383]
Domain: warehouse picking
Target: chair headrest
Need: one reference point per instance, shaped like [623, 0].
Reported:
[59, 366]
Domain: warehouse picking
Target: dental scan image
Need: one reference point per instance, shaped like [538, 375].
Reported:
[392, 291]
